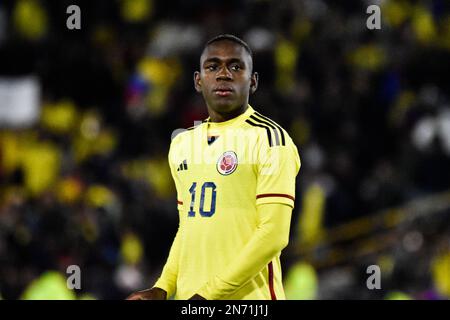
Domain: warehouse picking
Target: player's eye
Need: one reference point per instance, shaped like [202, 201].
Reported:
[236, 67]
[211, 67]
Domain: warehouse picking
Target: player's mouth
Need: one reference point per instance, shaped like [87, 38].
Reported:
[223, 91]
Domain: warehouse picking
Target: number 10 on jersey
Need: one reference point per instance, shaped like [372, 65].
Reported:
[212, 207]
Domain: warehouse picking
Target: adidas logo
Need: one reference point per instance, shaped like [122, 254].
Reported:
[182, 166]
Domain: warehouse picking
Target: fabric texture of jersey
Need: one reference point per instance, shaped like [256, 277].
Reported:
[220, 183]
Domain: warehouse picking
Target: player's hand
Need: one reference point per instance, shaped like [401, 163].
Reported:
[149, 294]
[196, 297]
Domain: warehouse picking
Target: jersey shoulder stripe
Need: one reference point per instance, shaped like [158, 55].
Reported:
[283, 141]
[275, 134]
[269, 137]
[274, 130]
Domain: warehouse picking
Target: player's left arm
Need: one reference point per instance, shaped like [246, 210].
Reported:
[271, 236]
[277, 168]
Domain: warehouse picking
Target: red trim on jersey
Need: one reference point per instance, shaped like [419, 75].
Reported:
[272, 291]
[265, 195]
[180, 202]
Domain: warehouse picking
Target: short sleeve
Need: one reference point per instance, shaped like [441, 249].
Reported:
[277, 168]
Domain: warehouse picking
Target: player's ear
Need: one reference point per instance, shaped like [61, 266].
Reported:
[197, 82]
[253, 82]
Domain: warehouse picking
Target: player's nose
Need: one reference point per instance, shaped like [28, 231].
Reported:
[224, 74]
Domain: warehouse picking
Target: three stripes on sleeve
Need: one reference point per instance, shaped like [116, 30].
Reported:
[272, 129]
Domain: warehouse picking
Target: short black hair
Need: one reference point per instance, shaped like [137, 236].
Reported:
[232, 38]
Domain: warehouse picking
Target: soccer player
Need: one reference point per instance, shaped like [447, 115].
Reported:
[235, 179]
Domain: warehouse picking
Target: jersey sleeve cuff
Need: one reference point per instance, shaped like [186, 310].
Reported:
[282, 198]
[160, 283]
[216, 289]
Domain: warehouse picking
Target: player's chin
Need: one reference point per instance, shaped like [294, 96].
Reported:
[225, 104]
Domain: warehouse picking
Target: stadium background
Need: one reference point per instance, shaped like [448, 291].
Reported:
[86, 118]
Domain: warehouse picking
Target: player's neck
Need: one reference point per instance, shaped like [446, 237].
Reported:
[221, 117]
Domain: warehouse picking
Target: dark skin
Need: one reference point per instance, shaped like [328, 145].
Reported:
[226, 81]
[149, 294]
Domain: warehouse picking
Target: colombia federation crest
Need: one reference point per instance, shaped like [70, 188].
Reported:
[227, 163]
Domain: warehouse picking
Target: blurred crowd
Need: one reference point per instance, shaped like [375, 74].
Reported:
[86, 118]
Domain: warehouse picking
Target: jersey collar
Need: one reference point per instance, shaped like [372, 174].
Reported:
[232, 122]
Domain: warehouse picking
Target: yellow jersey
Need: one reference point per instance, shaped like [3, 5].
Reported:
[223, 172]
